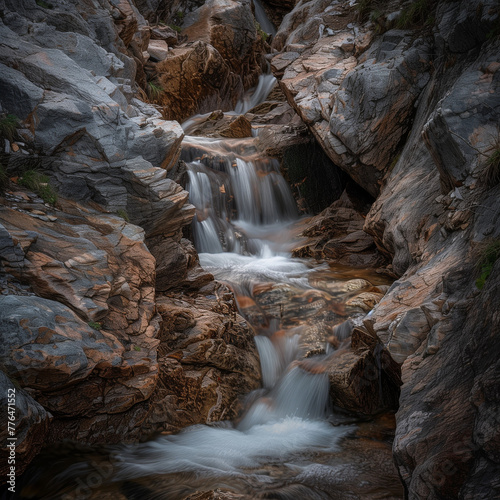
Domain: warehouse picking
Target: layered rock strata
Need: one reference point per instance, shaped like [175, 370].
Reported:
[426, 109]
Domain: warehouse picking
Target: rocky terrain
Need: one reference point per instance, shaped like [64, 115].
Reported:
[110, 329]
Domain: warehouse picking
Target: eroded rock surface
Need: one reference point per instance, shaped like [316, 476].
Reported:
[355, 92]
[73, 91]
[436, 214]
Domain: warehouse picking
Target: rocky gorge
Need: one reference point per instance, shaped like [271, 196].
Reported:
[384, 121]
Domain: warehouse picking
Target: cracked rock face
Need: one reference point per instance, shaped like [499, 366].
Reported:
[71, 85]
[419, 140]
[89, 273]
[355, 92]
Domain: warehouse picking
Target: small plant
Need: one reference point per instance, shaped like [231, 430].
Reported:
[123, 214]
[39, 184]
[261, 32]
[43, 4]
[175, 27]
[363, 8]
[416, 13]
[485, 265]
[95, 325]
[492, 168]
[8, 127]
[137, 348]
[154, 90]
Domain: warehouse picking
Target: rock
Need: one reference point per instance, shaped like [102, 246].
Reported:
[106, 275]
[229, 27]
[165, 33]
[238, 129]
[337, 235]
[197, 79]
[80, 106]
[29, 426]
[207, 359]
[217, 124]
[158, 49]
[462, 430]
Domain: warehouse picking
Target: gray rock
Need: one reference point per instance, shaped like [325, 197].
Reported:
[19, 95]
[31, 424]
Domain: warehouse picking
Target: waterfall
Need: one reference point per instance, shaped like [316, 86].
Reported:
[235, 200]
[262, 19]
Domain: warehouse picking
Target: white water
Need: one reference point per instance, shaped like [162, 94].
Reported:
[262, 19]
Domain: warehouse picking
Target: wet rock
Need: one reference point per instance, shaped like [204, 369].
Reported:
[30, 424]
[217, 124]
[364, 378]
[207, 359]
[337, 235]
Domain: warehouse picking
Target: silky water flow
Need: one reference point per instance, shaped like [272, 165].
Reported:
[282, 446]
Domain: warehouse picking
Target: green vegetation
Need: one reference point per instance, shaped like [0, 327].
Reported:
[485, 265]
[175, 27]
[39, 184]
[8, 127]
[123, 214]
[263, 35]
[154, 90]
[43, 4]
[363, 8]
[417, 13]
[95, 325]
[492, 167]
[137, 348]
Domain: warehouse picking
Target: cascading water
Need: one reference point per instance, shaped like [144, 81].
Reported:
[284, 444]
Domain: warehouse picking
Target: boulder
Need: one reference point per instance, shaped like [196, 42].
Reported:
[364, 378]
[336, 234]
[196, 79]
[207, 359]
[158, 49]
[27, 430]
[82, 113]
[338, 91]
[229, 27]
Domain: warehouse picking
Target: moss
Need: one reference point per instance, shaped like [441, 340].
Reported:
[123, 214]
[39, 184]
[262, 34]
[485, 264]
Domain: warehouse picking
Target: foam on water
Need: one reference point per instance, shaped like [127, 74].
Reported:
[216, 450]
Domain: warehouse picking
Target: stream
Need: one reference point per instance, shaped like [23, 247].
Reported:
[289, 443]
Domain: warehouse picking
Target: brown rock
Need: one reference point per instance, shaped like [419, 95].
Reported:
[196, 79]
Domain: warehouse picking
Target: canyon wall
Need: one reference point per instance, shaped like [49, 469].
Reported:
[410, 110]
